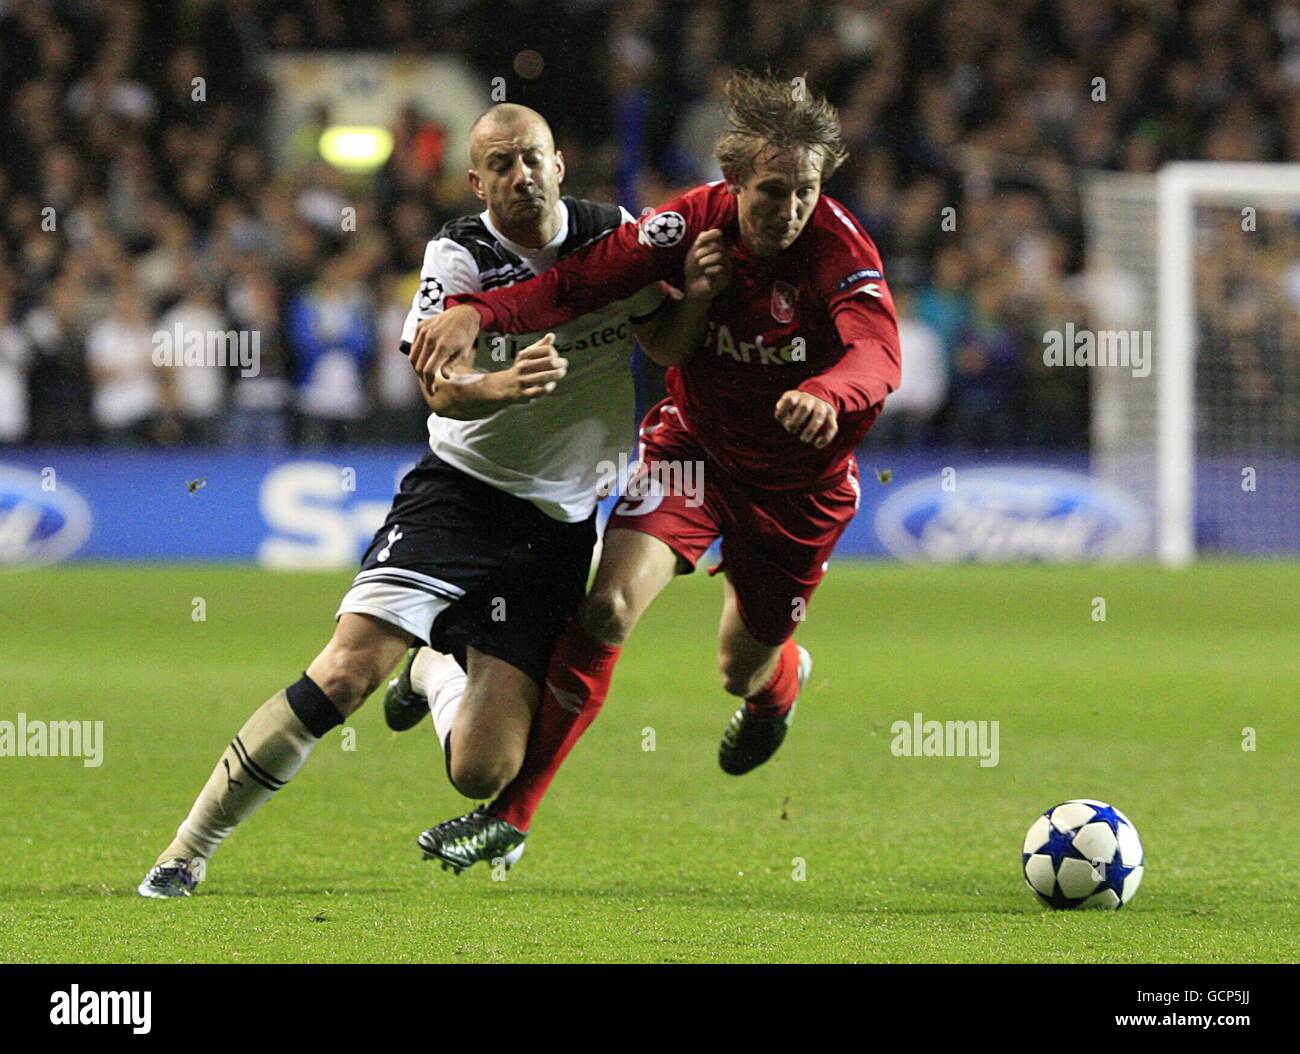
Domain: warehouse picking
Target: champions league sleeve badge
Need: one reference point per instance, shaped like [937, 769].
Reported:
[431, 293]
[662, 230]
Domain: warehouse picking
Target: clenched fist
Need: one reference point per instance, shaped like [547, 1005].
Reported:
[811, 419]
[708, 267]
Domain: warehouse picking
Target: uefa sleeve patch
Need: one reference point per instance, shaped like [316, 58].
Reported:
[856, 277]
[431, 293]
[663, 230]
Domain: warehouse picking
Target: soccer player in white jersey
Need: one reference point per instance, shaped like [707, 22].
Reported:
[485, 553]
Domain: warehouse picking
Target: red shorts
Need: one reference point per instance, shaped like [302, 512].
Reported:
[775, 544]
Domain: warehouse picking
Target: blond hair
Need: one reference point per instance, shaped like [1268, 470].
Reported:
[769, 113]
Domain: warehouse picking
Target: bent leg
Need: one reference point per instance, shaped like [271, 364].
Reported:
[634, 569]
[490, 734]
[765, 675]
[746, 663]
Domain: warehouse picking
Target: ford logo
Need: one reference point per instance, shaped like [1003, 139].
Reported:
[993, 515]
[39, 526]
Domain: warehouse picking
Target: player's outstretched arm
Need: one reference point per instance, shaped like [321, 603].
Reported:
[464, 393]
[672, 334]
[614, 267]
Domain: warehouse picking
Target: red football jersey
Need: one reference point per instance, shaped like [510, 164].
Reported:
[817, 317]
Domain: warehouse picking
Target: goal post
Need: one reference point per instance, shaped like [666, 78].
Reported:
[1158, 249]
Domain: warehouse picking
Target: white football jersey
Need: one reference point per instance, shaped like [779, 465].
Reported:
[553, 450]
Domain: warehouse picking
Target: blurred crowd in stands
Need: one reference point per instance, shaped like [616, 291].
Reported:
[130, 209]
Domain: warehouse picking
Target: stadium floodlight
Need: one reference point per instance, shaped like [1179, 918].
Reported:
[1210, 440]
[356, 148]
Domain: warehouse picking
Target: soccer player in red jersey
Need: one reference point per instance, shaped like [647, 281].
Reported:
[782, 352]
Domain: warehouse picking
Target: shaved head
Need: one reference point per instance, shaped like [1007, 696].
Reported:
[506, 120]
[516, 171]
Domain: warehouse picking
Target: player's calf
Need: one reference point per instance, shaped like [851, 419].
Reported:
[260, 760]
[272, 746]
[745, 663]
[743, 678]
[492, 724]
[757, 730]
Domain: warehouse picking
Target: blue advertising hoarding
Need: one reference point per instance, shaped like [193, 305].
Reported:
[301, 510]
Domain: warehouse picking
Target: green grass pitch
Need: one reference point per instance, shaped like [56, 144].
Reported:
[656, 855]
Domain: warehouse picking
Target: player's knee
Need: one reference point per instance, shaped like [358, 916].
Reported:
[738, 677]
[347, 676]
[609, 614]
[735, 681]
[482, 778]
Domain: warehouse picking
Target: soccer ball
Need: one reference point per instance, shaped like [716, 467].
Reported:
[1083, 854]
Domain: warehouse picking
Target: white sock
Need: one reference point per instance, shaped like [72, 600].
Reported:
[263, 757]
[439, 679]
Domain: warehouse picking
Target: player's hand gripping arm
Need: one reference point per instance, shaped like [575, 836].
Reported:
[444, 343]
[466, 394]
[671, 336]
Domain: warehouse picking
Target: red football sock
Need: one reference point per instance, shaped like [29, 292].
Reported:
[577, 682]
[775, 697]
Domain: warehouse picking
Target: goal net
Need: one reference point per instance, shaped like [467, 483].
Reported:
[1206, 258]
